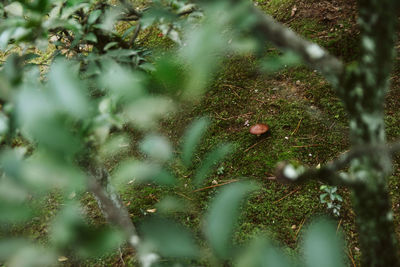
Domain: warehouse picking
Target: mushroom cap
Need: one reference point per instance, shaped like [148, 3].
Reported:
[259, 128]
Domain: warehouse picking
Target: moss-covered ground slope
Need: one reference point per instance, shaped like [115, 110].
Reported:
[307, 125]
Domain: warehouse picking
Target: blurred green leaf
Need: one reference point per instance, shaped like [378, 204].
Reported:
[170, 204]
[192, 138]
[169, 74]
[168, 238]
[32, 256]
[94, 15]
[261, 253]
[274, 63]
[322, 246]
[123, 84]
[9, 246]
[145, 112]
[222, 216]
[12, 212]
[115, 145]
[68, 90]
[157, 147]
[211, 160]
[14, 9]
[41, 173]
[69, 229]
[3, 126]
[12, 164]
[137, 171]
[10, 191]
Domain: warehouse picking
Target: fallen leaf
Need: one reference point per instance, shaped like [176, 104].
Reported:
[294, 9]
[62, 258]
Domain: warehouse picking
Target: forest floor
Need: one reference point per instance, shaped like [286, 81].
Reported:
[308, 125]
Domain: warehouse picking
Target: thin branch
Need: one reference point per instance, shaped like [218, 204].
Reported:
[287, 173]
[216, 185]
[114, 210]
[328, 173]
[281, 36]
[287, 195]
[136, 33]
[113, 213]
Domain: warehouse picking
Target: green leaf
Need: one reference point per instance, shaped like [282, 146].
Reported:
[168, 238]
[4, 38]
[70, 229]
[3, 126]
[44, 172]
[12, 212]
[30, 255]
[275, 63]
[261, 253]
[123, 84]
[91, 37]
[222, 216]
[145, 112]
[141, 172]
[192, 138]
[14, 9]
[94, 16]
[211, 159]
[322, 197]
[157, 148]
[37, 118]
[9, 246]
[110, 45]
[67, 89]
[322, 246]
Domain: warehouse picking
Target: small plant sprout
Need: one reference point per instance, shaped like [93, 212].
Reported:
[331, 198]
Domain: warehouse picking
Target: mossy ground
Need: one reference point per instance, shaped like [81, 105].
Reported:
[308, 125]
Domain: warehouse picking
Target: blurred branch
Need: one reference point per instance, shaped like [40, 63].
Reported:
[115, 211]
[329, 173]
[315, 56]
[287, 173]
[136, 33]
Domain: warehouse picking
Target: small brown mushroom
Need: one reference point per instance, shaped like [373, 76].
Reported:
[259, 128]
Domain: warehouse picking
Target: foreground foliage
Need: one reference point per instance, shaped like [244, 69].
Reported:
[76, 81]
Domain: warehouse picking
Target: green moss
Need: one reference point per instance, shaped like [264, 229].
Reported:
[279, 9]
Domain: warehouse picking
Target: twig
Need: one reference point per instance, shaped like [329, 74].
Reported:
[120, 256]
[250, 147]
[233, 117]
[294, 191]
[298, 230]
[337, 229]
[297, 128]
[114, 210]
[183, 195]
[350, 255]
[281, 36]
[233, 90]
[136, 33]
[256, 99]
[216, 185]
[307, 146]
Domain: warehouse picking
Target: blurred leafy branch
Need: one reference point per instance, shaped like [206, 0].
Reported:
[62, 117]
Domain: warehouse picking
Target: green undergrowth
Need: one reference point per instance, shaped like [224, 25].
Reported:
[307, 123]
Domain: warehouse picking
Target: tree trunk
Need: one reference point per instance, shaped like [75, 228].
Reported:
[374, 220]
